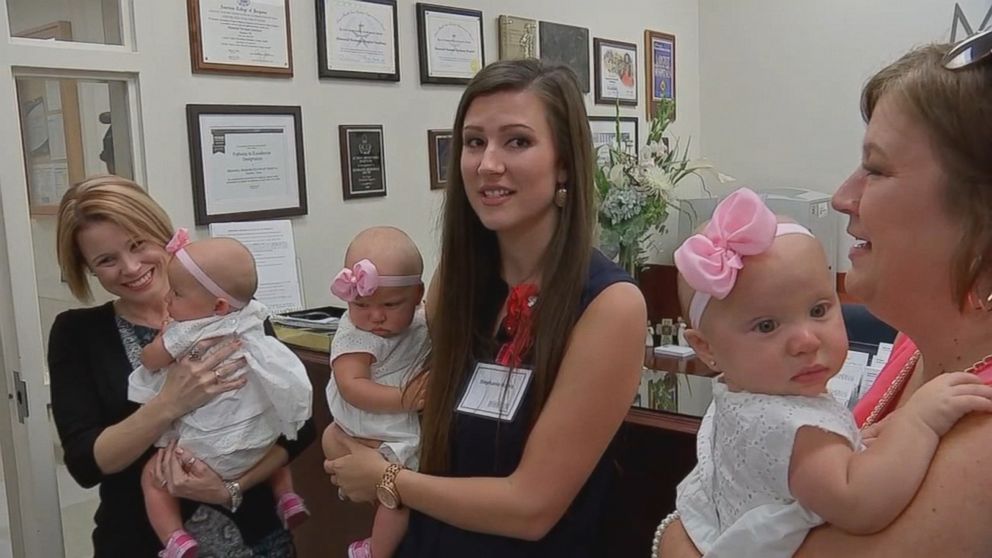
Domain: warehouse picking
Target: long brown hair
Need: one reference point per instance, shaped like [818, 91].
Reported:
[470, 259]
[955, 109]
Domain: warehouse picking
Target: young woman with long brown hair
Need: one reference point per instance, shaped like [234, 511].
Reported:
[536, 338]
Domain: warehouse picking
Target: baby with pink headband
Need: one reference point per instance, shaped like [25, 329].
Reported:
[212, 283]
[376, 360]
[777, 455]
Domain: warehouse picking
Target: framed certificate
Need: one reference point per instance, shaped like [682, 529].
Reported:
[451, 45]
[357, 39]
[240, 36]
[363, 169]
[604, 136]
[659, 68]
[616, 72]
[246, 162]
[439, 149]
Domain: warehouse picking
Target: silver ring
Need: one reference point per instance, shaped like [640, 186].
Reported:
[195, 354]
[191, 460]
[216, 377]
[341, 495]
[164, 482]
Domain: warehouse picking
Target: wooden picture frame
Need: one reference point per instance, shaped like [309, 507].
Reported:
[363, 164]
[439, 150]
[363, 30]
[615, 65]
[226, 53]
[253, 168]
[438, 26]
[659, 69]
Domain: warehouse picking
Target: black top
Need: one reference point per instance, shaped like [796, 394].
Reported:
[482, 447]
[89, 369]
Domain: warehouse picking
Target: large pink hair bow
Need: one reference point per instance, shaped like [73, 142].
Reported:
[363, 279]
[742, 225]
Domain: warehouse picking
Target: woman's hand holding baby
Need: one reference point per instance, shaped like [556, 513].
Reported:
[185, 476]
[194, 380]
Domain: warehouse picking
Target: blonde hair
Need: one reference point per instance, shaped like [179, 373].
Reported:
[104, 198]
[955, 110]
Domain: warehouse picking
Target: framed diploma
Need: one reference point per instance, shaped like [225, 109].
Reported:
[659, 68]
[451, 45]
[517, 37]
[439, 149]
[357, 39]
[616, 72]
[240, 36]
[363, 169]
[246, 162]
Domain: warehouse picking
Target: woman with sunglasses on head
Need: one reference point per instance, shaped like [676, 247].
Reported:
[920, 207]
[109, 227]
[536, 339]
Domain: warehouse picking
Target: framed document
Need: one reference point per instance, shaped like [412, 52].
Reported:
[357, 39]
[616, 72]
[451, 45]
[567, 45]
[363, 169]
[240, 36]
[604, 136]
[439, 149]
[517, 37]
[659, 68]
[246, 162]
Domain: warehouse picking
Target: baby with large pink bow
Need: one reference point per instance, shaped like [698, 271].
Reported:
[212, 283]
[777, 455]
[376, 359]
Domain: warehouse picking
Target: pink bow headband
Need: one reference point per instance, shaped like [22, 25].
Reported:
[177, 247]
[363, 279]
[742, 225]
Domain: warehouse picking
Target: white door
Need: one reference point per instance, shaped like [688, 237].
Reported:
[58, 101]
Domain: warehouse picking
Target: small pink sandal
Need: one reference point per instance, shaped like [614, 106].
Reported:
[180, 545]
[292, 511]
[360, 549]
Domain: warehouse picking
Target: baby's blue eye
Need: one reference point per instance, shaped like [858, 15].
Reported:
[765, 326]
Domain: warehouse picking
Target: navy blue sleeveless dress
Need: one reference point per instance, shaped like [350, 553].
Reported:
[482, 447]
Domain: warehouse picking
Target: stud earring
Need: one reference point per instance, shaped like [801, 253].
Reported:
[561, 195]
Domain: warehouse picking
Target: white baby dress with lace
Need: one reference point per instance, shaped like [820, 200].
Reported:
[395, 361]
[234, 430]
[736, 502]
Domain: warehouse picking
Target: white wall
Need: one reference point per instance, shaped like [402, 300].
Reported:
[406, 110]
[781, 81]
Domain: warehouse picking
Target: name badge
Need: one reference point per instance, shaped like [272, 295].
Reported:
[495, 391]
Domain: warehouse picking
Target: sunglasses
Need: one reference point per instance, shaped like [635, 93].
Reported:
[970, 51]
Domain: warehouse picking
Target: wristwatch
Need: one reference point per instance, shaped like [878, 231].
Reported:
[385, 490]
[234, 489]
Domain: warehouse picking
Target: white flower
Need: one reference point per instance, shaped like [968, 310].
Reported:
[658, 179]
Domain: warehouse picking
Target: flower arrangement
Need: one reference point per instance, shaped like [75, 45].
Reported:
[635, 191]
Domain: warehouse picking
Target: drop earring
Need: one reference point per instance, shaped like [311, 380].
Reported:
[561, 195]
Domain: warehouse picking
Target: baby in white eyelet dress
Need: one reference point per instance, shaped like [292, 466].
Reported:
[777, 455]
[376, 363]
[211, 287]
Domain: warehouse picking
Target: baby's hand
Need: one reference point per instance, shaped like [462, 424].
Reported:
[941, 402]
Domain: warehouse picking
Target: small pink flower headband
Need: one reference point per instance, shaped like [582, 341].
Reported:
[177, 247]
[363, 279]
[742, 225]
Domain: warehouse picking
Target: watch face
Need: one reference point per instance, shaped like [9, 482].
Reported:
[386, 497]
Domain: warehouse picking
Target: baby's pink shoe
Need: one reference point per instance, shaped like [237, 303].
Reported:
[291, 510]
[180, 545]
[360, 549]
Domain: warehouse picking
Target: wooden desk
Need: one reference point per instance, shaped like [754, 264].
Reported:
[654, 451]
[333, 524]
